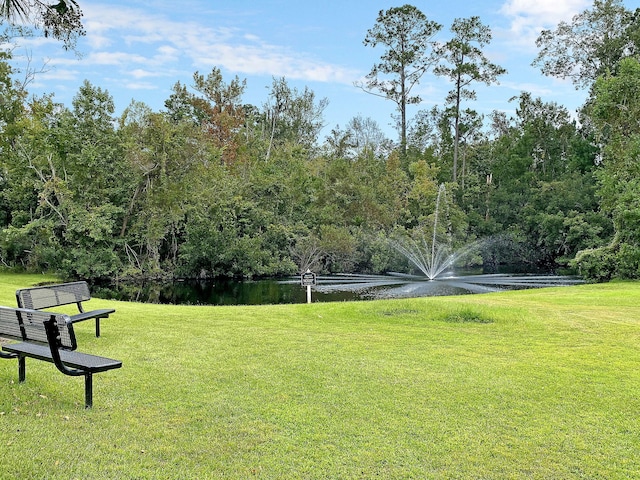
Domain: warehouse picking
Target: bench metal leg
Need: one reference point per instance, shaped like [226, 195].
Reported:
[88, 390]
[22, 368]
[97, 327]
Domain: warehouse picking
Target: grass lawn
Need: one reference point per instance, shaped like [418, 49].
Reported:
[535, 384]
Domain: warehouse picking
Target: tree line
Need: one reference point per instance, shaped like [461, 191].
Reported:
[211, 186]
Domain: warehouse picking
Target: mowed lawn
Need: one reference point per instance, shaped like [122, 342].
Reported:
[536, 384]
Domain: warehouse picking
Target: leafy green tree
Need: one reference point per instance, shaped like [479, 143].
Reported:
[430, 133]
[614, 111]
[463, 63]
[540, 186]
[367, 138]
[88, 145]
[547, 132]
[64, 175]
[407, 35]
[219, 238]
[166, 162]
[364, 191]
[13, 97]
[12, 111]
[292, 116]
[17, 196]
[362, 136]
[182, 106]
[470, 133]
[215, 105]
[423, 191]
[591, 45]
[87, 163]
[37, 197]
[229, 232]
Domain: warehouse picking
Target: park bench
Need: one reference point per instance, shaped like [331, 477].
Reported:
[52, 296]
[49, 337]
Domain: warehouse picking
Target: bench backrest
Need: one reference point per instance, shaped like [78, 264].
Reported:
[28, 326]
[47, 296]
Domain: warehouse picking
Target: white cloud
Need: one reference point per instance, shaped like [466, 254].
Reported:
[168, 51]
[58, 74]
[529, 17]
[547, 12]
[536, 90]
[239, 52]
[140, 86]
[121, 59]
[141, 73]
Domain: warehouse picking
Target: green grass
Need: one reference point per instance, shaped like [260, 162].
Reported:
[536, 384]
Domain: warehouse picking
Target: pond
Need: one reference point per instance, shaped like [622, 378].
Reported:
[334, 288]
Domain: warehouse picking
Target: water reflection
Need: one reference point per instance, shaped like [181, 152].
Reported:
[402, 286]
[329, 288]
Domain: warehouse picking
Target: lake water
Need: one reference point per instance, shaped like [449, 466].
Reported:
[334, 288]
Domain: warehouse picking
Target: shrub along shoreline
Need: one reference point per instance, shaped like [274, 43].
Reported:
[538, 383]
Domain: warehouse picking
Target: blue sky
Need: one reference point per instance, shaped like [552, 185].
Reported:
[140, 49]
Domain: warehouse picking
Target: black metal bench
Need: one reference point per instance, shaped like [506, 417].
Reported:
[52, 296]
[49, 337]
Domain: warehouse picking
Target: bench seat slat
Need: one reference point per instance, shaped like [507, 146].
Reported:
[82, 361]
[102, 313]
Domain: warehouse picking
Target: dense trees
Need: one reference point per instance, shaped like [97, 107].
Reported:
[211, 186]
[615, 110]
[599, 50]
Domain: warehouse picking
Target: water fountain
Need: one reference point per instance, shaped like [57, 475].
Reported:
[429, 254]
[434, 257]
